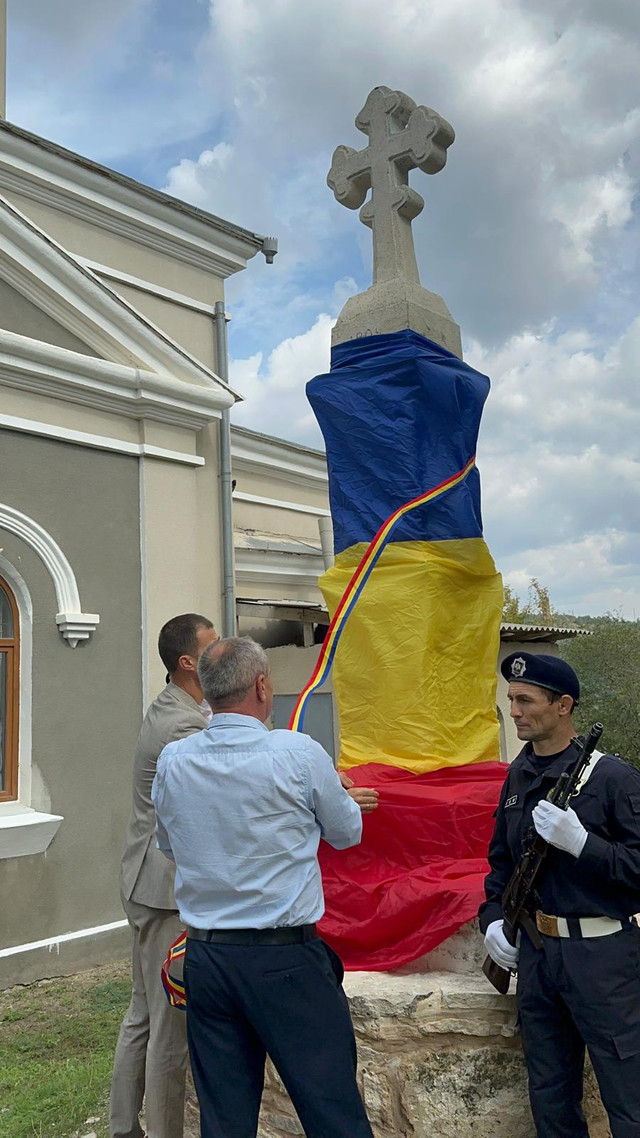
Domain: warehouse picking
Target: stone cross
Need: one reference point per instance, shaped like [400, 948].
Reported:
[402, 137]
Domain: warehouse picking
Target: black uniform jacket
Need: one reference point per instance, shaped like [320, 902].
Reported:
[605, 879]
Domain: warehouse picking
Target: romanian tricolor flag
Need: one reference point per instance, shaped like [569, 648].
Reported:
[416, 602]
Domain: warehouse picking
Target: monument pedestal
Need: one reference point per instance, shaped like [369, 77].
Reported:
[392, 306]
[439, 1056]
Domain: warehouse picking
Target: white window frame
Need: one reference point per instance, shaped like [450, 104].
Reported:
[24, 830]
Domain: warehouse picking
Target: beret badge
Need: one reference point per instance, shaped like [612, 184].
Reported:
[518, 668]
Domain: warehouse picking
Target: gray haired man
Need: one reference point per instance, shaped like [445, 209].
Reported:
[241, 810]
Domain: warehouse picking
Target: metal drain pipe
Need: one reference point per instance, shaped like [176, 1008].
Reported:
[224, 474]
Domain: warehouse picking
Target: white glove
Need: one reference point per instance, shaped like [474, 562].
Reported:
[498, 947]
[560, 828]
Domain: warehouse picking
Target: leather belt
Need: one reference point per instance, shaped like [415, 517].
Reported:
[576, 928]
[291, 934]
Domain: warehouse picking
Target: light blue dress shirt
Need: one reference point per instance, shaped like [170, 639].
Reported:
[241, 811]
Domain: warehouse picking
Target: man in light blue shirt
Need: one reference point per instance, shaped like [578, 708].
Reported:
[241, 811]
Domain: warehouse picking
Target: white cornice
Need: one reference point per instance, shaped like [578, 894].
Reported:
[277, 503]
[98, 442]
[74, 624]
[266, 567]
[56, 283]
[260, 454]
[65, 181]
[32, 365]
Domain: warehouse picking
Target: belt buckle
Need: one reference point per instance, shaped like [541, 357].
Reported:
[546, 925]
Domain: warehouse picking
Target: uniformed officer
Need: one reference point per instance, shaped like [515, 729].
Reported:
[583, 986]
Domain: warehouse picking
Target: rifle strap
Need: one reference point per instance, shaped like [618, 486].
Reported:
[588, 771]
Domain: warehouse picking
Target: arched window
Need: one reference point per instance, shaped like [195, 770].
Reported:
[9, 692]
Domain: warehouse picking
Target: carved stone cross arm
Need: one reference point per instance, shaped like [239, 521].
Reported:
[402, 137]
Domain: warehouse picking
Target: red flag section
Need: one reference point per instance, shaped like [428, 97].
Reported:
[418, 873]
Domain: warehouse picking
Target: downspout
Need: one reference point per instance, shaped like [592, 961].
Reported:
[226, 504]
[269, 247]
[325, 526]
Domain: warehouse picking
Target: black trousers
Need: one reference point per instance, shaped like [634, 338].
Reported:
[572, 993]
[244, 1002]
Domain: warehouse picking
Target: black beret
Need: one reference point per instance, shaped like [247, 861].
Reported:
[544, 671]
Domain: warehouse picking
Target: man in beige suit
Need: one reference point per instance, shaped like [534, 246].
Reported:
[151, 1053]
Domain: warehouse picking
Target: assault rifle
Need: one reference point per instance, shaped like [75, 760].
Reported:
[520, 899]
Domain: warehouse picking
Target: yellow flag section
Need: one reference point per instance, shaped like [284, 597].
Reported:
[415, 682]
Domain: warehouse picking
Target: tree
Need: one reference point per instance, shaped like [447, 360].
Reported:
[608, 666]
[537, 610]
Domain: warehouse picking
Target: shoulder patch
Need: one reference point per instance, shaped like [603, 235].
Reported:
[511, 801]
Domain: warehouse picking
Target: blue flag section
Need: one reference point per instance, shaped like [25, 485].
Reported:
[399, 414]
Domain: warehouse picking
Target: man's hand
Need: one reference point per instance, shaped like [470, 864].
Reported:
[498, 947]
[365, 797]
[560, 828]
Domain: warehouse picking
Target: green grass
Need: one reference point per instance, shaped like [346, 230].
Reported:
[57, 1040]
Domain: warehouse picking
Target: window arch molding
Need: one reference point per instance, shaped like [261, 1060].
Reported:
[74, 624]
[9, 692]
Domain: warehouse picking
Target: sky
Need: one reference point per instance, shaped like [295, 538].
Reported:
[530, 233]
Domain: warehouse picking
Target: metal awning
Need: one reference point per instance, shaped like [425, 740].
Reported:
[540, 632]
[314, 612]
[306, 612]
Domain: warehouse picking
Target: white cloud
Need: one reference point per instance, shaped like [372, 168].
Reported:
[274, 389]
[192, 180]
[560, 463]
[583, 577]
[585, 208]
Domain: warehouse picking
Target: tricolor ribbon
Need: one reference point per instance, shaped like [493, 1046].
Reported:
[174, 985]
[356, 585]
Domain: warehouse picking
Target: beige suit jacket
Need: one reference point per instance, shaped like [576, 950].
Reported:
[146, 875]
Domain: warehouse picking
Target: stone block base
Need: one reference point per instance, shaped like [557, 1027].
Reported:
[393, 306]
[439, 1057]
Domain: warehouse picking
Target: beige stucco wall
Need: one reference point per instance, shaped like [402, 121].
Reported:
[17, 314]
[87, 701]
[275, 471]
[103, 425]
[193, 330]
[181, 522]
[179, 503]
[270, 519]
[96, 244]
[269, 484]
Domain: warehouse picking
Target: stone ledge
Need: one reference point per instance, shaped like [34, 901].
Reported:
[439, 1057]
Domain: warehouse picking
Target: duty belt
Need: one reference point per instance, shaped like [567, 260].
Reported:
[578, 928]
[290, 934]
